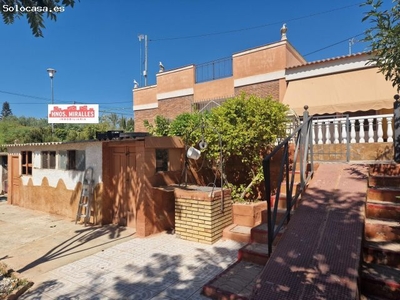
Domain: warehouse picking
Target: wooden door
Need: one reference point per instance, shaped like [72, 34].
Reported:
[13, 194]
[123, 178]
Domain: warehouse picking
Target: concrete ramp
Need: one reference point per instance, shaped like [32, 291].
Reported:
[318, 256]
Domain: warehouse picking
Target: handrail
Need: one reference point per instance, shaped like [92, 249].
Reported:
[303, 151]
[330, 118]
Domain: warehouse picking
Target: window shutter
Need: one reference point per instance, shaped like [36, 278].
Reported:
[80, 160]
[62, 160]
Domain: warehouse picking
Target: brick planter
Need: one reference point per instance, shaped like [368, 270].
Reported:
[198, 215]
[248, 214]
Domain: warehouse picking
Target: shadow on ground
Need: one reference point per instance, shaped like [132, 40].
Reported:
[79, 243]
[165, 273]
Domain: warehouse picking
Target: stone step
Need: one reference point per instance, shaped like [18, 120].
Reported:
[385, 169]
[384, 181]
[282, 201]
[254, 252]
[247, 234]
[238, 233]
[279, 216]
[383, 210]
[382, 231]
[296, 187]
[236, 282]
[383, 194]
[259, 234]
[382, 253]
[380, 281]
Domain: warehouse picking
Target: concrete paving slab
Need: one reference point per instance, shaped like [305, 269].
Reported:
[68, 261]
[33, 242]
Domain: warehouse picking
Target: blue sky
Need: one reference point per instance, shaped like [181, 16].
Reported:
[95, 48]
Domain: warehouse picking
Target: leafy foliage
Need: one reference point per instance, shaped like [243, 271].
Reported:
[31, 130]
[384, 38]
[160, 127]
[37, 10]
[246, 126]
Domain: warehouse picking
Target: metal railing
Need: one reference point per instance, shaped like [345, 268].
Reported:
[214, 70]
[303, 136]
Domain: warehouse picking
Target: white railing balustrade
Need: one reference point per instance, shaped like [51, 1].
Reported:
[379, 129]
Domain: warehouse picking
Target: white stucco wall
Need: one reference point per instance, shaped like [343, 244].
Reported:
[93, 158]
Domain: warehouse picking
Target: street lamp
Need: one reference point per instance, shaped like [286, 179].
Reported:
[51, 73]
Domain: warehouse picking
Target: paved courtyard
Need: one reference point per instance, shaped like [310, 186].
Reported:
[158, 267]
[68, 265]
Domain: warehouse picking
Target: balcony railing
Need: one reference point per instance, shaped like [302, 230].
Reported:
[214, 70]
[362, 129]
[340, 130]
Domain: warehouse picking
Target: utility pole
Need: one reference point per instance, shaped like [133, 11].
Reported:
[144, 37]
[51, 73]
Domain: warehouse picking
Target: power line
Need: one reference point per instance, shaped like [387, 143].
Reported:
[337, 43]
[23, 95]
[116, 110]
[60, 101]
[254, 27]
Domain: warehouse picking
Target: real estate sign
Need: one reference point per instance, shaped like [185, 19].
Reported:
[73, 113]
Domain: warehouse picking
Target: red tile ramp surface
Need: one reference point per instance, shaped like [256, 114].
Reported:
[318, 256]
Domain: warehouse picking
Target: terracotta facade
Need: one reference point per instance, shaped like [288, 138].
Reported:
[330, 86]
[259, 71]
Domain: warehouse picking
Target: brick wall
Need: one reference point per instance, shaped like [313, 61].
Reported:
[172, 107]
[198, 216]
[169, 108]
[141, 115]
[260, 89]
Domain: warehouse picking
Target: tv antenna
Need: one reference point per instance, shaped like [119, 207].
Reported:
[352, 41]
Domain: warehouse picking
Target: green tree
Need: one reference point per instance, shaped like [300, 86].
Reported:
[160, 127]
[114, 120]
[11, 131]
[186, 124]
[122, 123]
[130, 125]
[248, 126]
[34, 10]
[384, 38]
[6, 110]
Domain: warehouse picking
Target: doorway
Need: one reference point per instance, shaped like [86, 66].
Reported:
[13, 194]
[123, 185]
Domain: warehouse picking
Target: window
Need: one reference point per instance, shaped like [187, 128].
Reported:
[72, 160]
[26, 162]
[162, 162]
[48, 159]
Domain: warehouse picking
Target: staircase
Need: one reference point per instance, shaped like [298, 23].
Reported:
[239, 279]
[380, 270]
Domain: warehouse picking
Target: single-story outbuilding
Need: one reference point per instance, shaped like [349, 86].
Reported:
[126, 173]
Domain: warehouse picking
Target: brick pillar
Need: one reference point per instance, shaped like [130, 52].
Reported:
[198, 215]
